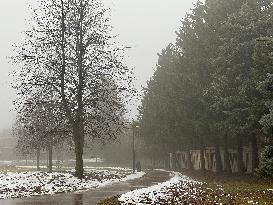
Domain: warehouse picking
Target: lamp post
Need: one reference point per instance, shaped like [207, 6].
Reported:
[133, 147]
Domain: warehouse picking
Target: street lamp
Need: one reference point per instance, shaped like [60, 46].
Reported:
[133, 148]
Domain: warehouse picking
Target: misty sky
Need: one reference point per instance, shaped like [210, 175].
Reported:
[145, 25]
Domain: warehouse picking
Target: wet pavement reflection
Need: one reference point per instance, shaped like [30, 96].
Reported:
[92, 197]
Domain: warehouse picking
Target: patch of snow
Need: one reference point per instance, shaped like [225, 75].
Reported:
[157, 192]
[6, 163]
[98, 160]
[30, 167]
[134, 176]
[107, 168]
[24, 184]
[161, 170]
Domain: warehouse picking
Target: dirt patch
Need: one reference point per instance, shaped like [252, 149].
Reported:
[110, 201]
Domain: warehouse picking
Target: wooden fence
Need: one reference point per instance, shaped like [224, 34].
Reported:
[183, 160]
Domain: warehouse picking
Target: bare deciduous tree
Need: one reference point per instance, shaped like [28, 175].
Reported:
[69, 59]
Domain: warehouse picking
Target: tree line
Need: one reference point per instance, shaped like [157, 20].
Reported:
[71, 81]
[213, 86]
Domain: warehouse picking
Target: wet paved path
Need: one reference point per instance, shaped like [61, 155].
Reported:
[92, 197]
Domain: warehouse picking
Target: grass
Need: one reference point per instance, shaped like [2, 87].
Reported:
[15, 169]
[246, 189]
[110, 201]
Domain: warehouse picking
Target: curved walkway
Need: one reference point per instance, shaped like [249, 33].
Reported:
[92, 197]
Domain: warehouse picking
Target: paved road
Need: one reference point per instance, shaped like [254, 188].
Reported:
[92, 197]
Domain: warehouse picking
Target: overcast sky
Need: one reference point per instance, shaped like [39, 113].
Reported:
[145, 25]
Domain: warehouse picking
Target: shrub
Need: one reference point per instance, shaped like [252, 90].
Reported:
[266, 162]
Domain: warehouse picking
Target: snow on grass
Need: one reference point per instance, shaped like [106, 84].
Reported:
[71, 168]
[162, 193]
[134, 176]
[181, 189]
[24, 184]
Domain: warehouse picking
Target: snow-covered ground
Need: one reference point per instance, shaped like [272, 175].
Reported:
[170, 192]
[181, 190]
[6, 163]
[24, 184]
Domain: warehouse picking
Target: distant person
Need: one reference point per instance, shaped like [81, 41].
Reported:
[138, 166]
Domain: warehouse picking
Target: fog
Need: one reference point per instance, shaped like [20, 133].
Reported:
[145, 26]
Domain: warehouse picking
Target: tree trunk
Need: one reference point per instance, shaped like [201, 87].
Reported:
[240, 162]
[50, 154]
[219, 166]
[79, 123]
[178, 162]
[202, 158]
[47, 163]
[58, 155]
[78, 140]
[38, 159]
[189, 163]
[227, 166]
[202, 153]
[255, 155]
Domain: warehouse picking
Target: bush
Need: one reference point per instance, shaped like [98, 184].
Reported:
[266, 162]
